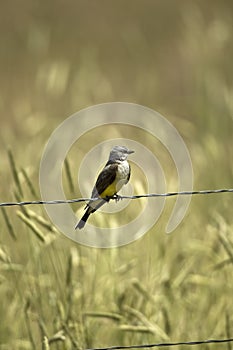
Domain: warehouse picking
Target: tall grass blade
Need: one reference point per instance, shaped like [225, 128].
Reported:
[68, 175]
[8, 224]
[39, 234]
[15, 172]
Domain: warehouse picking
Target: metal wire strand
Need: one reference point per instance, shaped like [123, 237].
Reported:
[143, 346]
[118, 197]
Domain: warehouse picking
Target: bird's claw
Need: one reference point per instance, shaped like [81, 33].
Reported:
[116, 197]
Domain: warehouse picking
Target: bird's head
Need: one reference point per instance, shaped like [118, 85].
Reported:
[119, 153]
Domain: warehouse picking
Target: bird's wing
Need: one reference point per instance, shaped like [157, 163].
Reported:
[129, 173]
[105, 178]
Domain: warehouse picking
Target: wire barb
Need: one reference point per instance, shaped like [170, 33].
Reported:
[148, 195]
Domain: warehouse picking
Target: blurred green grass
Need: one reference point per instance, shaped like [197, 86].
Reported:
[59, 57]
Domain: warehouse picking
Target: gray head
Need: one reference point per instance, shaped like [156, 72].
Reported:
[119, 153]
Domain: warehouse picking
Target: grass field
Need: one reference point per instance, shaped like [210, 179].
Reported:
[59, 57]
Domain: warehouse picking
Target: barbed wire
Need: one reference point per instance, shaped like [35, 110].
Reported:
[118, 197]
[198, 342]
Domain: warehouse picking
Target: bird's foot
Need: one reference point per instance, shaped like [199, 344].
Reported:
[116, 197]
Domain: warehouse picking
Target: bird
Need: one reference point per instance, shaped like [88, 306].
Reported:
[115, 174]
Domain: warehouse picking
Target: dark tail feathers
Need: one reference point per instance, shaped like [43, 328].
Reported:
[83, 220]
[90, 209]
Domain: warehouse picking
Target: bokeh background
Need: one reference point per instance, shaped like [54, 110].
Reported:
[57, 57]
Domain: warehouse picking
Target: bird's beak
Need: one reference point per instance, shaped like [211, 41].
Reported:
[130, 151]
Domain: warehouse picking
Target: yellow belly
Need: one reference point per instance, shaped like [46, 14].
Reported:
[110, 190]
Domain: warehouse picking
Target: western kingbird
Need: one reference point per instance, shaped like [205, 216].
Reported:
[114, 175]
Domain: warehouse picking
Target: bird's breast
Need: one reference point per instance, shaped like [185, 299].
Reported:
[123, 171]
